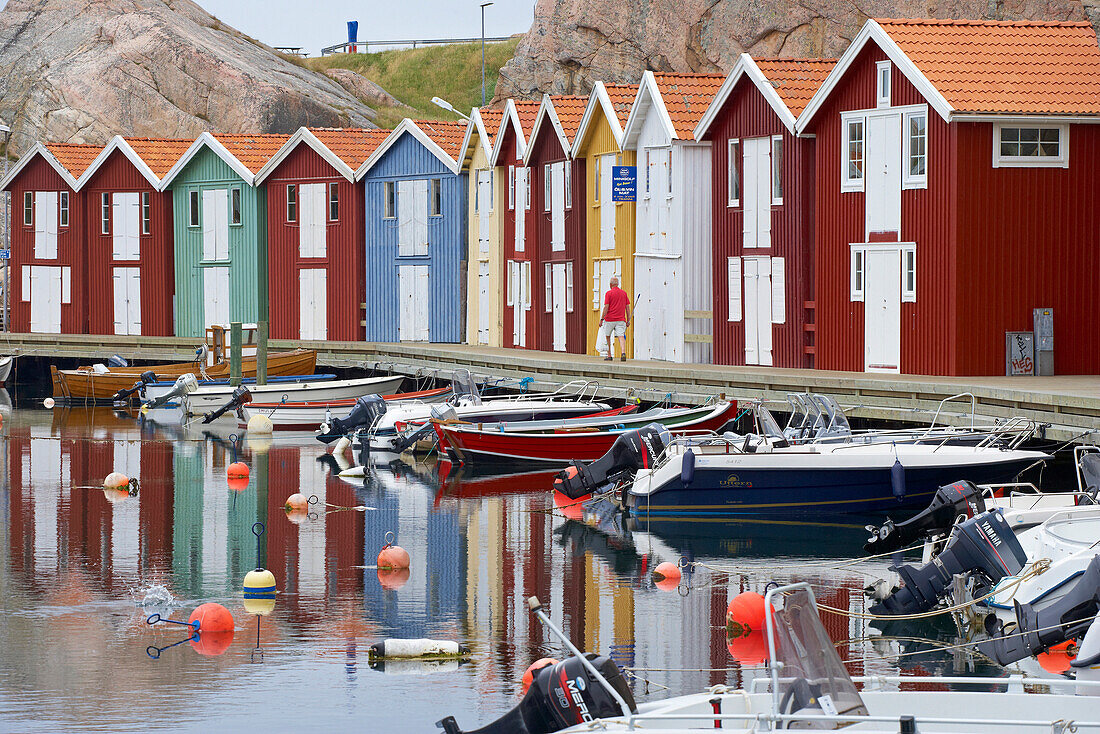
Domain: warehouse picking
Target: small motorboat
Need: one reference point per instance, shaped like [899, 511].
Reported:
[160, 391]
[206, 399]
[573, 439]
[307, 415]
[5, 369]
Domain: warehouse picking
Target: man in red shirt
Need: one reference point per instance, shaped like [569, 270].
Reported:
[616, 312]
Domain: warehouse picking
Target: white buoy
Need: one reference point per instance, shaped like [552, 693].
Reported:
[421, 648]
[259, 424]
[341, 446]
[48, 402]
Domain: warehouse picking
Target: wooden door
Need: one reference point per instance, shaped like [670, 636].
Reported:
[758, 311]
[215, 286]
[484, 302]
[215, 226]
[413, 293]
[313, 303]
[882, 310]
[558, 303]
[883, 180]
[126, 226]
[127, 300]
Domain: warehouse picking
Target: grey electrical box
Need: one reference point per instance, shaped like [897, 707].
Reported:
[1043, 324]
[1019, 353]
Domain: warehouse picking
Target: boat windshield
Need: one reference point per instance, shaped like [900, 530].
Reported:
[799, 419]
[809, 677]
[769, 426]
[838, 422]
[464, 387]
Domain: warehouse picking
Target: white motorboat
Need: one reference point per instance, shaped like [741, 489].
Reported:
[210, 398]
[5, 369]
[807, 687]
[306, 416]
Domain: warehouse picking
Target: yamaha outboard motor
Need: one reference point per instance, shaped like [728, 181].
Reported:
[562, 695]
[183, 385]
[145, 378]
[240, 396]
[950, 502]
[984, 545]
[116, 361]
[1035, 631]
[633, 450]
[368, 409]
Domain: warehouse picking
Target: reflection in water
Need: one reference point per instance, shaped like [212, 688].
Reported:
[76, 565]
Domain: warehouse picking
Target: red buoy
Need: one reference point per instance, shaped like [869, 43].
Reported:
[212, 643]
[393, 578]
[745, 614]
[296, 502]
[393, 556]
[238, 484]
[529, 674]
[666, 576]
[236, 470]
[212, 618]
[751, 649]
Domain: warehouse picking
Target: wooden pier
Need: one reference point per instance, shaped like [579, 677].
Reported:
[1069, 405]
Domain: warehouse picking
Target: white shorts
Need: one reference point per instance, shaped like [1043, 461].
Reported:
[615, 328]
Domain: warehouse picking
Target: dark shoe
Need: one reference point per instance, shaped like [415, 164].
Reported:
[622, 357]
[609, 359]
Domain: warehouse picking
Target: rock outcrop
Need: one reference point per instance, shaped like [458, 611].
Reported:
[366, 90]
[84, 70]
[574, 43]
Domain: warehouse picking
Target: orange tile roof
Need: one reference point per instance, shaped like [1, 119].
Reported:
[686, 97]
[1005, 66]
[73, 157]
[527, 112]
[622, 99]
[351, 145]
[446, 134]
[253, 150]
[491, 118]
[796, 80]
[160, 154]
[570, 110]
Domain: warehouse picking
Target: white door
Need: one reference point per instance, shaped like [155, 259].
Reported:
[484, 209]
[650, 307]
[607, 205]
[757, 195]
[313, 303]
[127, 291]
[312, 220]
[758, 311]
[45, 297]
[883, 184]
[215, 226]
[412, 217]
[521, 300]
[557, 206]
[413, 295]
[126, 226]
[484, 303]
[651, 201]
[215, 287]
[521, 207]
[45, 225]
[882, 311]
[558, 288]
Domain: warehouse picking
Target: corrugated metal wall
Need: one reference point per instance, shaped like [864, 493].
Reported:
[247, 240]
[409, 160]
[40, 176]
[547, 149]
[508, 158]
[344, 250]
[746, 114]
[117, 175]
[601, 141]
[492, 259]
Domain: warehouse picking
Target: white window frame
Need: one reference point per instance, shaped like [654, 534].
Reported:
[776, 165]
[511, 188]
[546, 187]
[146, 213]
[668, 173]
[389, 200]
[193, 208]
[291, 202]
[492, 190]
[63, 209]
[1061, 161]
[333, 201]
[569, 286]
[567, 167]
[857, 272]
[548, 287]
[908, 295]
[883, 83]
[28, 208]
[910, 180]
[509, 288]
[527, 190]
[846, 121]
[734, 279]
[236, 213]
[435, 197]
[733, 173]
[105, 213]
[596, 165]
[647, 162]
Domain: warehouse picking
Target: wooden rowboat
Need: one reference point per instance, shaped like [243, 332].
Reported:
[86, 385]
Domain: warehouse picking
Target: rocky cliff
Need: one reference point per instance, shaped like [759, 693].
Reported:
[574, 43]
[84, 70]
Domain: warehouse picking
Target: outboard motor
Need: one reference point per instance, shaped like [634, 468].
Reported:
[116, 361]
[950, 502]
[439, 413]
[184, 385]
[240, 397]
[633, 450]
[984, 544]
[1068, 618]
[368, 409]
[145, 378]
[562, 695]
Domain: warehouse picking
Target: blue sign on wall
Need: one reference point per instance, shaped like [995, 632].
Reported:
[624, 183]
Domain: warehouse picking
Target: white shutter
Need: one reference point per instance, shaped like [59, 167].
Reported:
[749, 202]
[733, 278]
[485, 194]
[405, 304]
[763, 184]
[118, 233]
[133, 295]
[548, 288]
[764, 310]
[40, 246]
[779, 291]
[38, 309]
[119, 284]
[557, 206]
[405, 225]
[26, 283]
[66, 285]
[54, 294]
[133, 234]
[521, 207]
[527, 284]
[320, 225]
[511, 187]
[305, 299]
[209, 243]
[569, 287]
[596, 293]
[510, 290]
[420, 217]
[221, 224]
[607, 206]
[423, 300]
[216, 295]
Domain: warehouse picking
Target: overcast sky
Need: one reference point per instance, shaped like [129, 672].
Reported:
[313, 24]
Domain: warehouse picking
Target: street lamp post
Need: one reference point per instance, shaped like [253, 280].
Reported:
[440, 102]
[483, 6]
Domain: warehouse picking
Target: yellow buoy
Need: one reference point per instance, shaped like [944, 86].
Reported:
[259, 424]
[259, 584]
[259, 607]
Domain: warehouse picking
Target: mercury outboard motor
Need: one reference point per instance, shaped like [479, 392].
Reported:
[368, 409]
[183, 385]
[240, 396]
[1068, 618]
[950, 502]
[562, 695]
[633, 450]
[984, 545]
[145, 378]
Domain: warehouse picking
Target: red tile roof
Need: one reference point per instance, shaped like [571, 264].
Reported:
[74, 158]
[252, 150]
[570, 110]
[1005, 66]
[527, 112]
[160, 154]
[446, 134]
[795, 80]
[686, 97]
[491, 118]
[351, 145]
[622, 99]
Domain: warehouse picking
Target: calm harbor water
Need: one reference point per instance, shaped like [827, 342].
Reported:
[76, 562]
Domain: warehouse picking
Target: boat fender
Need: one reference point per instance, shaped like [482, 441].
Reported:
[420, 648]
[897, 479]
[687, 468]
[1087, 663]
